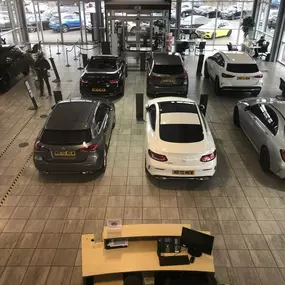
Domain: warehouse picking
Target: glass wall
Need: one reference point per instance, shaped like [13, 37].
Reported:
[216, 21]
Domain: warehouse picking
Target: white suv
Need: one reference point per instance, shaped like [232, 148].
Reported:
[234, 71]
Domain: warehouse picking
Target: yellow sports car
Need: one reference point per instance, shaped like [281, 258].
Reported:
[208, 31]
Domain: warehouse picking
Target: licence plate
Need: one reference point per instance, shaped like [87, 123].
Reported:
[168, 80]
[64, 153]
[98, 89]
[183, 172]
[243, 78]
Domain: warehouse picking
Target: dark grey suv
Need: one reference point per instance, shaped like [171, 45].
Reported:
[75, 137]
[166, 75]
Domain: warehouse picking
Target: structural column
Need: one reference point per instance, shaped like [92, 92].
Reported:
[98, 20]
[278, 33]
[178, 18]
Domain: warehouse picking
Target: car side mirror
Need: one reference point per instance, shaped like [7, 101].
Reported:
[247, 108]
[147, 108]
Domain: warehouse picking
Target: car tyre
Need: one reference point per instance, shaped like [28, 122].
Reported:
[255, 93]
[64, 28]
[229, 33]
[218, 89]
[264, 159]
[5, 83]
[236, 117]
[104, 166]
[206, 72]
[126, 73]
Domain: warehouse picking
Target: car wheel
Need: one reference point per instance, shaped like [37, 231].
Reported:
[27, 71]
[122, 89]
[126, 73]
[218, 90]
[255, 93]
[5, 83]
[64, 28]
[206, 72]
[264, 159]
[229, 33]
[236, 117]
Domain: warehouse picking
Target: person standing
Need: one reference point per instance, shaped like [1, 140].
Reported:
[42, 66]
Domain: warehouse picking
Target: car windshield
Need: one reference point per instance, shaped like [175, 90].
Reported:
[103, 63]
[168, 69]
[181, 133]
[59, 137]
[242, 68]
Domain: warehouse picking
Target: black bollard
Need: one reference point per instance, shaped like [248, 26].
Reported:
[142, 61]
[139, 106]
[84, 59]
[31, 96]
[106, 48]
[203, 103]
[57, 96]
[200, 65]
[55, 71]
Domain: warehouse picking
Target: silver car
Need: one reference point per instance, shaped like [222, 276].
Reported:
[263, 121]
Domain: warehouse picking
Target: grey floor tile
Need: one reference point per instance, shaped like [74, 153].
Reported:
[279, 214]
[257, 202]
[249, 227]
[58, 213]
[244, 214]
[61, 275]
[112, 213]
[9, 240]
[255, 242]
[239, 202]
[230, 227]
[5, 254]
[20, 257]
[34, 226]
[188, 213]
[36, 275]
[168, 202]
[270, 276]
[275, 202]
[169, 213]
[134, 201]
[262, 258]
[275, 242]
[116, 201]
[225, 214]
[269, 227]
[203, 202]
[186, 201]
[235, 242]
[263, 214]
[28, 240]
[49, 240]
[251, 191]
[13, 275]
[54, 226]
[221, 258]
[151, 201]
[211, 226]
[65, 257]
[279, 256]
[240, 258]
[15, 226]
[43, 257]
[207, 213]
[221, 202]
[133, 213]
[70, 240]
[246, 276]
[96, 213]
[151, 213]
[219, 242]
[40, 213]
[73, 226]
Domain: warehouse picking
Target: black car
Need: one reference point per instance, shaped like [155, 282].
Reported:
[12, 61]
[104, 75]
[166, 75]
[232, 13]
[75, 137]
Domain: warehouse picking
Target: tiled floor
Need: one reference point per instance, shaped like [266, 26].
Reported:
[43, 217]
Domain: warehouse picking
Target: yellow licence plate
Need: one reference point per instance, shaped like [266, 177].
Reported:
[65, 153]
[168, 80]
[183, 172]
[98, 89]
[243, 78]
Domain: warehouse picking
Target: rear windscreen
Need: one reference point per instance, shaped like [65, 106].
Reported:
[181, 133]
[177, 107]
[242, 68]
[168, 69]
[103, 63]
[55, 137]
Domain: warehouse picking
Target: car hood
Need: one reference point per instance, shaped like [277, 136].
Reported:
[196, 20]
[252, 101]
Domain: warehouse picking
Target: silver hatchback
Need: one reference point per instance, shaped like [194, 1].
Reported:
[263, 121]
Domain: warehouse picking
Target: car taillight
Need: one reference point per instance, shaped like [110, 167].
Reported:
[224, 75]
[156, 156]
[84, 80]
[113, 81]
[153, 77]
[282, 152]
[258, 76]
[185, 75]
[39, 147]
[208, 157]
[90, 148]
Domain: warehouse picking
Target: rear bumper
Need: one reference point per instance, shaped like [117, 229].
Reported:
[164, 171]
[110, 91]
[152, 89]
[54, 27]
[65, 167]
[241, 88]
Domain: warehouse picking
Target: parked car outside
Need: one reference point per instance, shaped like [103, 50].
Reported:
[104, 75]
[32, 23]
[75, 137]
[262, 120]
[208, 11]
[209, 31]
[192, 22]
[68, 22]
[232, 13]
[12, 61]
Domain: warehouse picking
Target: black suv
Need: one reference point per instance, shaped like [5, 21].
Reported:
[166, 75]
[104, 75]
[12, 61]
[75, 137]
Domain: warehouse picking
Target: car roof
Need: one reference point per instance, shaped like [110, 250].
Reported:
[179, 118]
[166, 59]
[169, 99]
[238, 57]
[72, 115]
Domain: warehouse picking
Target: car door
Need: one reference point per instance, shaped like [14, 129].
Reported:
[211, 64]
[222, 29]
[217, 64]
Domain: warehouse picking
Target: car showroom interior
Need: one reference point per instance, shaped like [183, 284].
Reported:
[142, 142]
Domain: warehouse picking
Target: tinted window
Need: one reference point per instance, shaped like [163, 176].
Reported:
[103, 63]
[152, 116]
[242, 68]
[168, 69]
[181, 133]
[267, 116]
[60, 137]
[177, 107]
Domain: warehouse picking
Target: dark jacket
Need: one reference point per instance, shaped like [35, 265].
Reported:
[42, 66]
